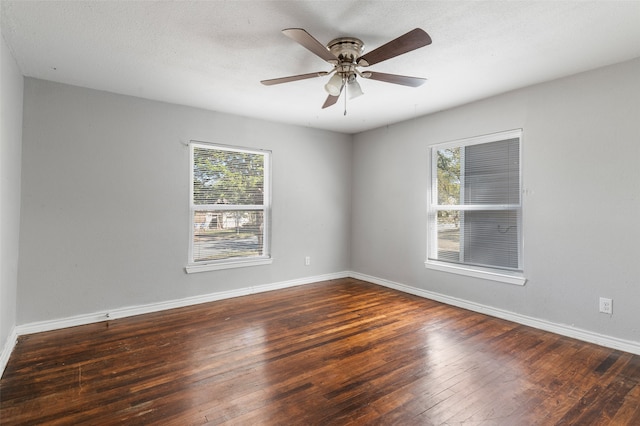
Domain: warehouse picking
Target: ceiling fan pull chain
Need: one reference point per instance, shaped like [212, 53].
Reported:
[345, 100]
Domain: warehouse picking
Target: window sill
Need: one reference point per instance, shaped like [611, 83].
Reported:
[204, 267]
[507, 277]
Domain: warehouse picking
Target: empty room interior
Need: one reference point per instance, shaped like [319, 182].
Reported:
[318, 212]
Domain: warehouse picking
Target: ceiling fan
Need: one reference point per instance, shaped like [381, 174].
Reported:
[345, 55]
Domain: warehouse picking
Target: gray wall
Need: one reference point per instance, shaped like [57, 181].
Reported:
[11, 95]
[105, 191]
[104, 221]
[581, 173]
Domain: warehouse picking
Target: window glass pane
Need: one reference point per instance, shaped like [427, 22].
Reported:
[227, 177]
[491, 238]
[492, 173]
[483, 238]
[227, 234]
[448, 224]
[448, 168]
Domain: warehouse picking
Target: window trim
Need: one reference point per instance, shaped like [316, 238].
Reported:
[214, 265]
[488, 273]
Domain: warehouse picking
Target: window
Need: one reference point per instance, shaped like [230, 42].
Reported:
[475, 209]
[230, 207]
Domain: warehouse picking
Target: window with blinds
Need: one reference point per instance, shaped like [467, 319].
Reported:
[475, 209]
[230, 207]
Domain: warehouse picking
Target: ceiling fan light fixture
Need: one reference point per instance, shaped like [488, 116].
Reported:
[334, 85]
[353, 89]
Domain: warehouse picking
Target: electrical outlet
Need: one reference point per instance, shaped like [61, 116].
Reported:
[606, 305]
[307, 260]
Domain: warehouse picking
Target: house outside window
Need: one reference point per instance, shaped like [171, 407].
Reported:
[230, 204]
[475, 207]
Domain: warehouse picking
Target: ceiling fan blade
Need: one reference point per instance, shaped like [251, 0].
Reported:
[396, 79]
[331, 100]
[293, 78]
[306, 40]
[412, 40]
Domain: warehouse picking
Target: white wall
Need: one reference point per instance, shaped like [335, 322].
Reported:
[105, 190]
[11, 91]
[581, 168]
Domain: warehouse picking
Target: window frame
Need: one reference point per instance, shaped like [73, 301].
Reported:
[211, 265]
[516, 277]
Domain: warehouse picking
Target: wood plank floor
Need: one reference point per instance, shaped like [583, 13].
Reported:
[337, 352]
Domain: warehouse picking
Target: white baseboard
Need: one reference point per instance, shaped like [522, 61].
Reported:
[564, 330]
[83, 319]
[40, 326]
[7, 348]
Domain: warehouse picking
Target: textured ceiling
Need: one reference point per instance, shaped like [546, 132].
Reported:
[213, 54]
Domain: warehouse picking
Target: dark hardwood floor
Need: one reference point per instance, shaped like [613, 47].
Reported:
[336, 352]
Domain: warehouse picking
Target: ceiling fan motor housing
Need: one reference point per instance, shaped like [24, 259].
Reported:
[347, 50]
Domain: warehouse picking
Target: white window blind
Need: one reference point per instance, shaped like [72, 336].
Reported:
[230, 205]
[475, 210]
